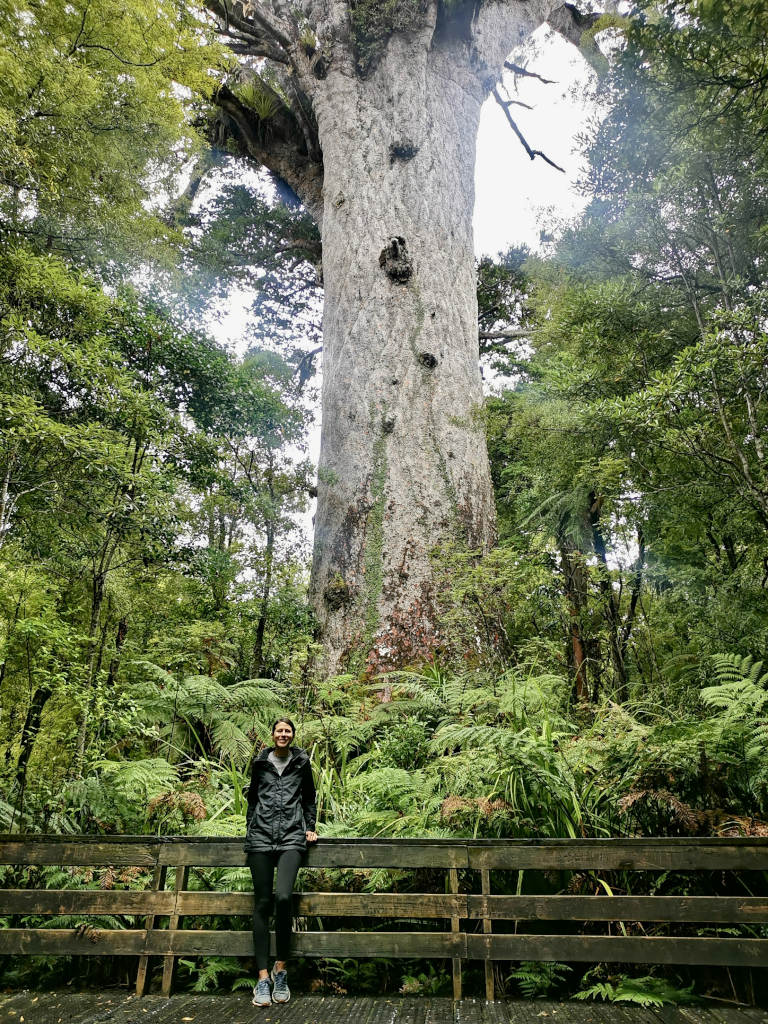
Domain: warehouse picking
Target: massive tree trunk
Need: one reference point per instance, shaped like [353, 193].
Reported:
[403, 464]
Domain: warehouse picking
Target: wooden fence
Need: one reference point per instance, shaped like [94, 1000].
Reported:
[474, 924]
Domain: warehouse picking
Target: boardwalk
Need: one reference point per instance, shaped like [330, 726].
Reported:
[116, 1007]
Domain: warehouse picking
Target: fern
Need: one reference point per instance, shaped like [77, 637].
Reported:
[741, 686]
[645, 991]
[537, 978]
[141, 779]
[740, 693]
[231, 742]
[208, 972]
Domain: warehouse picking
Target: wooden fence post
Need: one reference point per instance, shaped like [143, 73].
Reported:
[453, 885]
[485, 882]
[142, 974]
[169, 960]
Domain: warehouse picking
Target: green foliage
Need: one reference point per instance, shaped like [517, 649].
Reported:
[537, 979]
[645, 991]
[144, 475]
[433, 981]
[210, 973]
[95, 115]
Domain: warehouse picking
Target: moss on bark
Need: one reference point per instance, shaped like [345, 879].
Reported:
[374, 21]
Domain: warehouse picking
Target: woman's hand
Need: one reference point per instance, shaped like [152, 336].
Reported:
[311, 836]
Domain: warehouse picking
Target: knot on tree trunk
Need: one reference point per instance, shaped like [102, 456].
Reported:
[337, 593]
[404, 150]
[396, 260]
[427, 360]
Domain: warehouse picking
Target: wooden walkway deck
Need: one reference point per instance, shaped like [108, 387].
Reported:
[117, 1007]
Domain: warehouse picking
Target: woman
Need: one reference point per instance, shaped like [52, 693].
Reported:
[280, 822]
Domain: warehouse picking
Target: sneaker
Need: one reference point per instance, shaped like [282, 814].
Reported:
[261, 994]
[281, 993]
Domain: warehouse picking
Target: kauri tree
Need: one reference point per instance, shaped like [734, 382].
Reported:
[369, 110]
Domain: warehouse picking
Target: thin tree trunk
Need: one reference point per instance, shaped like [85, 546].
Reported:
[637, 583]
[572, 562]
[613, 615]
[266, 590]
[114, 664]
[5, 502]
[28, 735]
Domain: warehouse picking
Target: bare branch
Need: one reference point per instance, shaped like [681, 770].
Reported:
[532, 153]
[518, 69]
[311, 248]
[506, 335]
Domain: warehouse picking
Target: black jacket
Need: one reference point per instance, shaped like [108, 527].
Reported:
[281, 808]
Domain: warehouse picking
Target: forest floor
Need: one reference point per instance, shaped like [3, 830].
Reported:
[116, 1007]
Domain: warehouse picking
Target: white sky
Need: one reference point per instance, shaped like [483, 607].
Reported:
[515, 195]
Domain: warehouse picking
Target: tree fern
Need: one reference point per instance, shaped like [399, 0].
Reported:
[231, 742]
[740, 692]
[740, 688]
[141, 779]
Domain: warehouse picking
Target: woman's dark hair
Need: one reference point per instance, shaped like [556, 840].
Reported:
[287, 721]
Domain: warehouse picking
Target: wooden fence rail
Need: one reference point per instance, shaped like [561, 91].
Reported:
[453, 924]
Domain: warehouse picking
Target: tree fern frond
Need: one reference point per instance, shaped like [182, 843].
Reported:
[231, 742]
[141, 779]
[231, 825]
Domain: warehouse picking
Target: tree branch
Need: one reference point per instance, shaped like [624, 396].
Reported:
[506, 335]
[264, 41]
[532, 153]
[570, 23]
[272, 29]
[522, 72]
[284, 152]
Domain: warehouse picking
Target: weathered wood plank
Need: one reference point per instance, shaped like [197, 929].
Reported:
[87, 901]
[619, 854]
[485, 883]
[145, 965]
[380, 904]
[640, 854]
[116, 1007]
[93, 942]
[324, 854]
[730, 909]
[453, 885]
[169, 964]
[367, 944]
[395, 944]
[162, 942]
[613, 949]
[74, 852]
[418, 906]
[167, 943]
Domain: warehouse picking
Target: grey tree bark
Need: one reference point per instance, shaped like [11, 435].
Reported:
[403, 464]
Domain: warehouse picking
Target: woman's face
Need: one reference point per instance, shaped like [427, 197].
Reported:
[282, 735]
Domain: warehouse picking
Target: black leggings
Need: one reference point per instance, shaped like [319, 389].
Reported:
[262, 867]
